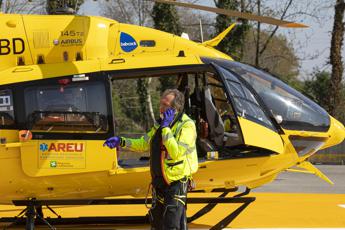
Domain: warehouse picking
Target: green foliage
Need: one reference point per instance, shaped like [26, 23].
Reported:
[232, 44]
[130, 105]
[329, 158]
[53, 5]
[167, 82]
[165, 18]
[127, 107]
[317, 88]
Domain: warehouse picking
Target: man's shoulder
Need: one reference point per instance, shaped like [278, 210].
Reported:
[186, 120]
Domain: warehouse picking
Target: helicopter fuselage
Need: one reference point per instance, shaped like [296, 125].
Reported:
[60, 78]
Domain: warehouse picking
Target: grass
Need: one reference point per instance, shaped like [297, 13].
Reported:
[328, 158]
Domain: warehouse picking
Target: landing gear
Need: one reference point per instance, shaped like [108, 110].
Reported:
[31, 215]
[30, 218]
[34, 215]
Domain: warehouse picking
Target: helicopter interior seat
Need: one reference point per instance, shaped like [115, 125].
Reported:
[203, 144]
[215, 122]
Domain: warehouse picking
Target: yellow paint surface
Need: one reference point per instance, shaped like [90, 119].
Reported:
[270, 210]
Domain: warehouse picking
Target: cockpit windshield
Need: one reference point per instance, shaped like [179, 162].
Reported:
[291, 109]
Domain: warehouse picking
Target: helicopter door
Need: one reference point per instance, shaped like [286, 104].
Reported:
[257, 128]
[69, 118]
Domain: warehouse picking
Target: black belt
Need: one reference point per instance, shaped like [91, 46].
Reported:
[174, 164]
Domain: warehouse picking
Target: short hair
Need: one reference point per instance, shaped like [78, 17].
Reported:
[178, 102]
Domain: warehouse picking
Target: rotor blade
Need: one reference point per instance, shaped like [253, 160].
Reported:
[237, 14]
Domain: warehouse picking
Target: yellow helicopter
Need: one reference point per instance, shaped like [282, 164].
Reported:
[57, 81]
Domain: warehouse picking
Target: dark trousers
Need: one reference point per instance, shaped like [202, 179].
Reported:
[168, 210]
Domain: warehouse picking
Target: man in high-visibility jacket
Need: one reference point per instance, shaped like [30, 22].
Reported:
[173, 160]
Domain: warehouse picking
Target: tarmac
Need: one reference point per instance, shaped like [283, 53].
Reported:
[291, 182]
[293, 200]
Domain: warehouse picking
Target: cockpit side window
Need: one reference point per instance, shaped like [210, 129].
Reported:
[245, 102]
[6, 108]
[231, 134]
[291, 109]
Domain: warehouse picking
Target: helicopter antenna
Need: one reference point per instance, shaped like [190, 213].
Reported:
[201, 30]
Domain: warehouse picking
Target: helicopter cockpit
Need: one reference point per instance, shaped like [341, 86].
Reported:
[291, 109]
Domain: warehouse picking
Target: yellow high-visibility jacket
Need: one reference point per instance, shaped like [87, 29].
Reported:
[180, 143]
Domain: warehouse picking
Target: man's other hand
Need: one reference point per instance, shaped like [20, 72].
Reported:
[113, 142]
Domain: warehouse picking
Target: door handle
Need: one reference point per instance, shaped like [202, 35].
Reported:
[16, 144]
[13, 145]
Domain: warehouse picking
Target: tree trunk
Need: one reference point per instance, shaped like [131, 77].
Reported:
[146, 89]
[336, 59]
[243, 35]
[142, 91]
[149, 103]
[257, 55]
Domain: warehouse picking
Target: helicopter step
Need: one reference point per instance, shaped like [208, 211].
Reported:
[32, 215]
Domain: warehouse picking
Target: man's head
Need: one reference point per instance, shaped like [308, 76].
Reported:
[172, 98]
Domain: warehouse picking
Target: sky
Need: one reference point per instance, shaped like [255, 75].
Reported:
[308, 43]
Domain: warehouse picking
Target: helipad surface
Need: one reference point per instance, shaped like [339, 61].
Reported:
[273, 208]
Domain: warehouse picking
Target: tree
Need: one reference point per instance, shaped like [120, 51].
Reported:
[261, 46]
[22, 6]
[129, 11]
[233, 43]
[279, 57]
[317, 88]
[198, 26]
[53, 5]
[336, 59]
[165, 18]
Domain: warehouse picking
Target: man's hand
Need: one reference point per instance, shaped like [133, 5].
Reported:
[168, 117]
[113, 142]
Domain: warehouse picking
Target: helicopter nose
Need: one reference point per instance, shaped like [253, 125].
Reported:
[336, 133]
